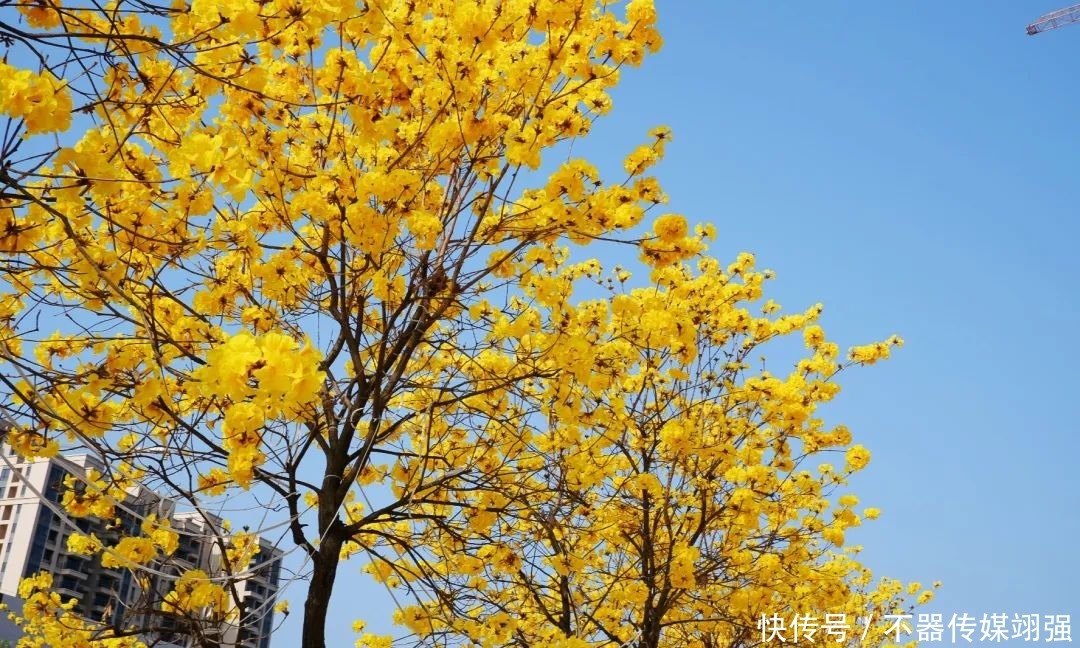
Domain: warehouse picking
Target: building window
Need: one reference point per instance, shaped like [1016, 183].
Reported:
[7, 512]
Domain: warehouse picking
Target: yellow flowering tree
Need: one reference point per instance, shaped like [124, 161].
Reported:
[302, 253]
[660, 493]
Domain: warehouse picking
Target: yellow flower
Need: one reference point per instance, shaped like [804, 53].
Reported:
[857, 458]
[161, 533]
[640, 160]
[848, 500]
[676, 437]
[814, 336]
[194, 592]
[128, 551]
[40, 15]
[671, 227]
[83, 545]
[661, 133]
[42, 101]
[214, 482]
[683, 558]
[833, 535]
[871, 353]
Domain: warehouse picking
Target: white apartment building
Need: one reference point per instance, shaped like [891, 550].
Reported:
[34, 538]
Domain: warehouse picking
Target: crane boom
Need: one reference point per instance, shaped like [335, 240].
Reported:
[1055, 19]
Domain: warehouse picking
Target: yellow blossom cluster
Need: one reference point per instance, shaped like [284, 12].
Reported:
[29, 444]
[241, 549]
[42, 14]
[160, 532]
[89, 495]
[256, 378]
[159, 540]
[130, 551]
[48, 620]
[195, 593]
[41, 100]
[871, 353]
[84, 545]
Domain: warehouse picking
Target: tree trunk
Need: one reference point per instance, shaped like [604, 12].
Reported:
[318, 596]
[650, 628]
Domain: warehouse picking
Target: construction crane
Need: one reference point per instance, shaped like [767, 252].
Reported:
[1055, 19]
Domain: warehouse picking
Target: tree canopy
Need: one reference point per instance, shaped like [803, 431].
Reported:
[310, 256]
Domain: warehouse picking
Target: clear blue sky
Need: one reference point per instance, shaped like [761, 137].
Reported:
[912, 165]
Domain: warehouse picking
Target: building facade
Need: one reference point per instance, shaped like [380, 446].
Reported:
[33, 538]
